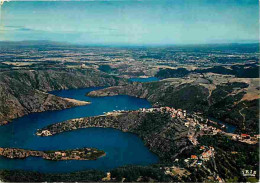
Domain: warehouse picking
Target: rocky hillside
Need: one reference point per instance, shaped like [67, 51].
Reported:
[225, 100]
[192, 153]
[24, 91]
[162, 134]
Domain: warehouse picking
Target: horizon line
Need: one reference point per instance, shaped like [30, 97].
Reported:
[134, 45]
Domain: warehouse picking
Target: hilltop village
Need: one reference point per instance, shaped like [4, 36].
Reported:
[195, 128]
[199, 92]
[197, 125]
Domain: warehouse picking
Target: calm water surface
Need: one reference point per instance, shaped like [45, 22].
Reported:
[144, 80]
[229, 128]
[121, 148]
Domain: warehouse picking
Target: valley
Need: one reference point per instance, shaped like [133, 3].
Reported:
[189, 112]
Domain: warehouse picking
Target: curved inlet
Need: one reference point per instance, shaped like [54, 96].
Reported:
[121, 148]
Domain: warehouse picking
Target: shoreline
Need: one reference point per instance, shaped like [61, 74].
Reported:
[74, 102]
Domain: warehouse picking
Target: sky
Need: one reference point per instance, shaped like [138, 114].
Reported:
[129, 22]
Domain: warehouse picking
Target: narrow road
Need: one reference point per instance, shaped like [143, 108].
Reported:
[244, 118]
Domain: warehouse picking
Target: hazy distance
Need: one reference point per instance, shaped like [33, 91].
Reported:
[131, 22]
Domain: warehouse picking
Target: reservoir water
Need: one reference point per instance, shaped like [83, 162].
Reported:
[144, 80]
[121, 148]
[228, 127]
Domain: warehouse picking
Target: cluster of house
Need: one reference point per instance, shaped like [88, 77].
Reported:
[75, 154]
[193, 140]
[60, 153]
[44, 133]
[175, 113]
[179, 113]
[56, 155]
[246, 138]
[115, 112]
[203, 125]
[207, 153]
[207, 129]
[176, 171]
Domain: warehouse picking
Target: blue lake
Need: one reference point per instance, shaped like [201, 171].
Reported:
[143, 80]
[121, 148]
[228, 127]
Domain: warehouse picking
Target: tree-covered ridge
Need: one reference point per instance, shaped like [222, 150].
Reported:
[156, 128]
[224, 101]
[190, 149]
[24, 91]
[239, 71]
[57, 155]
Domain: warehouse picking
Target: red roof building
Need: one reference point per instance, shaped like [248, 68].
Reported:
[194, 157]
